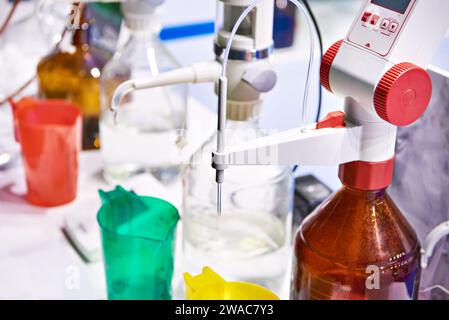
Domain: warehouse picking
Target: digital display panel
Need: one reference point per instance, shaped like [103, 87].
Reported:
[399, 6]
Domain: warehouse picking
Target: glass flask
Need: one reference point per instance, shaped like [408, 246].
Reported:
[73, 75]
[149, 134]
[356, 246]
[250, 241]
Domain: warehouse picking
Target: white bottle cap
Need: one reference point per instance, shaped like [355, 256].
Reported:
[140, 14]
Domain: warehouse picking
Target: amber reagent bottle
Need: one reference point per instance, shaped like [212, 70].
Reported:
[357, 245]
[73, 75]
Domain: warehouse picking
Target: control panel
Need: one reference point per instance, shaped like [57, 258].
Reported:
[379, 24]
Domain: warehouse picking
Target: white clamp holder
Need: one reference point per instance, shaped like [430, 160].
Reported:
[431, 241]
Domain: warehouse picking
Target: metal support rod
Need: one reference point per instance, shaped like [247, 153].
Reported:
[222, 104]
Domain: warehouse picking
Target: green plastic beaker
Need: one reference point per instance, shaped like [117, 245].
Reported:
[138, 236]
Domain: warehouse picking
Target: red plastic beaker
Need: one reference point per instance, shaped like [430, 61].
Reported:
[49, 132]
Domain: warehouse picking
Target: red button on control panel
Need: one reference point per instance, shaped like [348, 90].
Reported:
[374, 19]
[366, 16]
[393, 27]
[385, 23]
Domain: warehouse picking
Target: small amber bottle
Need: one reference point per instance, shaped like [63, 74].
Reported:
[357, 245]
[74, 75]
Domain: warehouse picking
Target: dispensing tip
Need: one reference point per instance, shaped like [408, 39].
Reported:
[219, 199]
[120, 92]
[219, 178]
[114, 117]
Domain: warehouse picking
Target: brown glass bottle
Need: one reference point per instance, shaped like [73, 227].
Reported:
[356, 246]
[74, 75]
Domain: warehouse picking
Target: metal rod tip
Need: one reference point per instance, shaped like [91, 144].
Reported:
[114, 117]
[219, 199]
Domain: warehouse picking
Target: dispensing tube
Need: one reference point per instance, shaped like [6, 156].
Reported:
[222, 92]
[196, 73]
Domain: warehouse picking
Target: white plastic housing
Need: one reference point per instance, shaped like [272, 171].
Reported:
[358, 68]
[364, 57]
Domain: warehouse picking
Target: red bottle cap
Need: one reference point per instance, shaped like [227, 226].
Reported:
[403, 94]
[367, 176]
[326, 64]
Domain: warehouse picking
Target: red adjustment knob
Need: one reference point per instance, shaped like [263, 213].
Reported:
[326, 64]
[403, 94]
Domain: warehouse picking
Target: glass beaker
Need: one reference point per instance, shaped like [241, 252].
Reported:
[138, 236]
[250, 241]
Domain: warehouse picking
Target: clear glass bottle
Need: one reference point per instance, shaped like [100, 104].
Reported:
[74, 75]
[150, 130]
[356, 246]
[250, 241]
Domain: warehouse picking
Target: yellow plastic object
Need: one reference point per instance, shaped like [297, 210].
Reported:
[210, 286]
